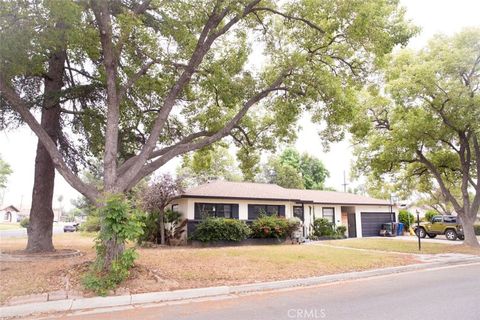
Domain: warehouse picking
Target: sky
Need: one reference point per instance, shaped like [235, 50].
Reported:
[433, 16]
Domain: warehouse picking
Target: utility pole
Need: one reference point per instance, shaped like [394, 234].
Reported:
[344, 184]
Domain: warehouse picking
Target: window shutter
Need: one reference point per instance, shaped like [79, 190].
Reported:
[235, 211]
[281, 211]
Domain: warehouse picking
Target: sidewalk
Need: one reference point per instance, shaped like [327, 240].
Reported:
[67, 305]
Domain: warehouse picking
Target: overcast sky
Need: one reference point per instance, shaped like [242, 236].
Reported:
[433, 16]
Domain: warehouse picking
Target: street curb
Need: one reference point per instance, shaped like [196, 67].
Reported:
[163, 296]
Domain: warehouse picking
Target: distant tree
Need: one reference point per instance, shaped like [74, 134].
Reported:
[157, 196]
[430, 214]
[207, 164]
[292, 170]
[5, 171]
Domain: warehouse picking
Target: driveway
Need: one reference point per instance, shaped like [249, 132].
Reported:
[437, 239]
[399, 296]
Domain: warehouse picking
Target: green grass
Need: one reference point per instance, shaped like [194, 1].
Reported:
[402, 246]
[9, 226]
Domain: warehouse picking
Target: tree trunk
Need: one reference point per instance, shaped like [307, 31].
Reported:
[161, 226]
[469, 233]
[41, 214]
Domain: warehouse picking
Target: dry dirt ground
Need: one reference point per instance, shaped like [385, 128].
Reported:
[170, 268]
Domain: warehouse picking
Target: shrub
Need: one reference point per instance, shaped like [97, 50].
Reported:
[406, 218]
[322, 228]
[92, 224]
[24, 223]
[430, 214]
[341, 230]
[120, 224]
[293, 225]
[221, 229]
[270, 227]
[477, 229]
[150, 228]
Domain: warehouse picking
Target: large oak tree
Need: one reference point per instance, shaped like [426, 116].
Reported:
[181, 75]
[424, 131]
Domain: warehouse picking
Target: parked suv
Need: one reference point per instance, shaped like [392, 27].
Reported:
[450, 226]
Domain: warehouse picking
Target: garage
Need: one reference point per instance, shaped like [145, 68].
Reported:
[372, 222]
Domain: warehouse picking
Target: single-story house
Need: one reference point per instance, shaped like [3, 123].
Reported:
[361, 215]
[10, 214]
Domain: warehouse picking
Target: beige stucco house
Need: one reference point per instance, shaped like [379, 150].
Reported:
[361, 215]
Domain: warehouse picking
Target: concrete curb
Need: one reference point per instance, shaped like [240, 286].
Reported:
[163, 296]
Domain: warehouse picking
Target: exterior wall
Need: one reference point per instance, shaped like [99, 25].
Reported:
[310, 212]
[14, 216]
[242, 206]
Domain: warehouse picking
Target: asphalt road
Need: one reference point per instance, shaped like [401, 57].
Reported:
[20, 233]
[446, 293]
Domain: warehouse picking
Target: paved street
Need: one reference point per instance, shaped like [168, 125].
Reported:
[447, 293]
[19, 233]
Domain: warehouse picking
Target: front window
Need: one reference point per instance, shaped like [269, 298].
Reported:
[328, 213]
[218, 210]
[256, 210]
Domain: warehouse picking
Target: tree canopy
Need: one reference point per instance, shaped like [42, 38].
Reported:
[5, 171]
[423, 132]
[167, 78]
[294, 170]
[210, 163]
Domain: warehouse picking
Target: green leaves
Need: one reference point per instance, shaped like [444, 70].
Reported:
[292, 170]
[419, 134]
[5, 171]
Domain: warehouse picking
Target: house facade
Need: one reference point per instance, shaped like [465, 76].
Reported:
[361, 215]
[10, 214]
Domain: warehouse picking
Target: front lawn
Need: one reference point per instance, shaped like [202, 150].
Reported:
[391, 245]
[177, 268]
[9, 226]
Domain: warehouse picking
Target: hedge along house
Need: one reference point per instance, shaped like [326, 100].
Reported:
[363, 216]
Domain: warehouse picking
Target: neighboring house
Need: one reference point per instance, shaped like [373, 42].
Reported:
[10, 214]
[361, 215]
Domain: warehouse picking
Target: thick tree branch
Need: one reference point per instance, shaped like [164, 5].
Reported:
[290, 17]
[103, 18]
[446, 193]
[160, 152]
[18, 105]
[182, 149]
[204, 43]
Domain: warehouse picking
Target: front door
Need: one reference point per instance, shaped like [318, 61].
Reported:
[352, 225]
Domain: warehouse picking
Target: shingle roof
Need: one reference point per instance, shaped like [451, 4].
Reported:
[264, 191]
[11, 208]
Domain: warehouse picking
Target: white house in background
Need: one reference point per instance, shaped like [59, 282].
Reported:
[361, 215]
[10, 214]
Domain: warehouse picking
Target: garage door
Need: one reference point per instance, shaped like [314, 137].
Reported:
[372, 222]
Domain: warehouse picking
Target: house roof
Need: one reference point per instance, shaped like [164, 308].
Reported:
[10, 208]
[264, 191]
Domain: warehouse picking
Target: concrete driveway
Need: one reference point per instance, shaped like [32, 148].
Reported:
[438, 239]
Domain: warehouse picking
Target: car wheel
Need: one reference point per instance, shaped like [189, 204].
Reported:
[431, 235]
[451, 235]
[421, 232]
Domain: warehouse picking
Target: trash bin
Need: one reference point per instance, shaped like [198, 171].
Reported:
[400, 229]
